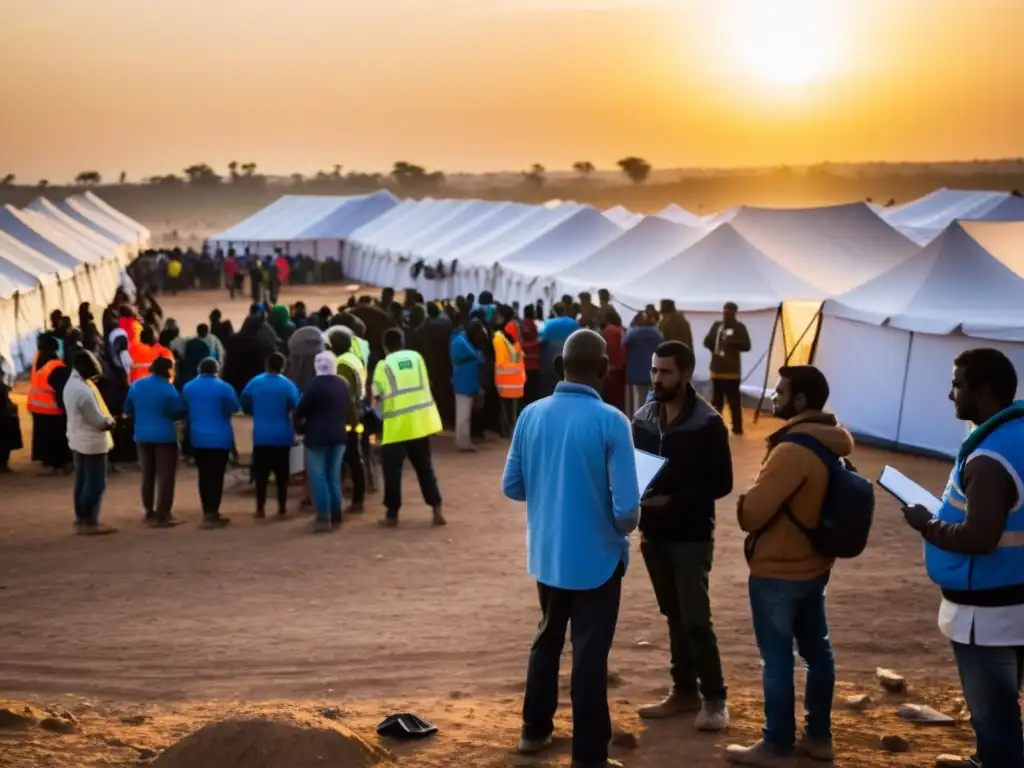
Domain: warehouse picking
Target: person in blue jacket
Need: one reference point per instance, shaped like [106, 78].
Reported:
[210, 403]
[553, 335]
[270, 399]
[154, 405]
[642, 339]
[466, 362]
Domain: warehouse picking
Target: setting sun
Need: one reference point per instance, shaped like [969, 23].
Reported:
[784, 42]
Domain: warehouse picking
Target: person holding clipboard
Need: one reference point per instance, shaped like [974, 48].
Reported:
[572, 461]
[678, 526]
[974, 551]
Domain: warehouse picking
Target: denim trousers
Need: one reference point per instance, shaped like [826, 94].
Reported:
[788, 612]
[991, 678]
[90, 485]
[323, 465]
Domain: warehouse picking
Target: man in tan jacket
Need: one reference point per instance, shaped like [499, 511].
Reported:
[787, 576]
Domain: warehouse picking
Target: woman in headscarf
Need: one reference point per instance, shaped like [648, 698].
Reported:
[281, 322]
[303, 347]
[321, 415]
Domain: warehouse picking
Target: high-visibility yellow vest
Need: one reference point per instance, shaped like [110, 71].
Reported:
[363, 349]
[351, 361]
[407, 406]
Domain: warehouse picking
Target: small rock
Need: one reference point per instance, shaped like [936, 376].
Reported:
[857, 703]
[456, 695]
[332, 713]
[134, 719]
[924, 715]
[894, 744]
[614, 679]
[57, 725]
[647, 644]
[378, 557]
[12, 718]
[950, 761]
[65, 715]
[625, 740]
[890, 681]
[959, 707]
[146, 754]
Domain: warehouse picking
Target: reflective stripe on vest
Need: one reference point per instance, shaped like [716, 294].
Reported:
[42, 398]
[1004, 567]
[421, 386]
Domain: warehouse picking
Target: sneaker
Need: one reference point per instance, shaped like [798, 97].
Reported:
[534, 746]
[321, 526]
[714, 716]
[675, 703]
[439, 516]
[166, 522]
[212, 522]
[355, 508]
[759, 754]
[94, 529]
[817, 749]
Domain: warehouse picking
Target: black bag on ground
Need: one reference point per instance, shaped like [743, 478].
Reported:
[847, 510]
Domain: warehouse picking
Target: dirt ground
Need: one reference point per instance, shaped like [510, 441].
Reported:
[146, 635]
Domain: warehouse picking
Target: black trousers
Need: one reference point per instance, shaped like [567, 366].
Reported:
[592, 614]
[267, 459]
[212, 464]
[728, 391]
[354, 461]
[393, 456]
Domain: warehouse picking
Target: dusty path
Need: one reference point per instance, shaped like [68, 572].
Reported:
[180, 623]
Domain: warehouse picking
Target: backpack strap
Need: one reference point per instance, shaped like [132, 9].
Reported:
[826, 457]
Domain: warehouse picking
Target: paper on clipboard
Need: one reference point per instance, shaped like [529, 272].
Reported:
[647, 468]
[906, 490]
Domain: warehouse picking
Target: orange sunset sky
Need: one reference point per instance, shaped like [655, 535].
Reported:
[149, 86]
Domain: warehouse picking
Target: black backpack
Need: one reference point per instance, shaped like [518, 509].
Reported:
[846, 512]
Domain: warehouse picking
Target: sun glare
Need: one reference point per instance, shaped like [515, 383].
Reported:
[784, 42]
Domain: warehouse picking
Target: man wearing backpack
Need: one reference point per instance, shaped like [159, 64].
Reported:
[974, 551]
[788, 574]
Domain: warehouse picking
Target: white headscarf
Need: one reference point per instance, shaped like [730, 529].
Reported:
[325, 364]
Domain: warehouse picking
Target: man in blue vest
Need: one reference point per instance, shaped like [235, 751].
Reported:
[974, 551]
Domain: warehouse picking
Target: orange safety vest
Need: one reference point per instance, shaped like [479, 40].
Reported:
[142, 356]
[509, 368]
[42, 398]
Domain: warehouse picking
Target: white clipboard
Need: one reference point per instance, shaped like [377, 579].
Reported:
[906, 491]
[648, 466]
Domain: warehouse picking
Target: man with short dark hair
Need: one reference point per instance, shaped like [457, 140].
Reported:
[678, 526]
[154, 405]
[974, 551]
[270, 399]
[572, 462]
[788, 576]
[727, 340]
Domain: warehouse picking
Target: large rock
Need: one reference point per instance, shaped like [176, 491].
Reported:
[890, 681]
[290, 740]
[16, 714]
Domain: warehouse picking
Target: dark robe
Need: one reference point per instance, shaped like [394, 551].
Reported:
[377, 321]
[247, 352]
[433, 340]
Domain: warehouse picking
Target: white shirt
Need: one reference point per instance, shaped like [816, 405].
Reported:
[998, 626]
[86, 421]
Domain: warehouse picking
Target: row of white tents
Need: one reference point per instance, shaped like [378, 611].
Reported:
[882, 299]
[54, 256]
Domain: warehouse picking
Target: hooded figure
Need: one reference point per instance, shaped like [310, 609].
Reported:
[247, 352]
[673, 324]
[303, 347]
[281, 322]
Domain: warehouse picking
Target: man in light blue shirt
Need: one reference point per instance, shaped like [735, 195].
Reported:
[572, 462]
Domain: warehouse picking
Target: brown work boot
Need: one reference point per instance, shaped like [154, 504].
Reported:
[439, 516]
[759, 754]
[817, 749]
[675, 703]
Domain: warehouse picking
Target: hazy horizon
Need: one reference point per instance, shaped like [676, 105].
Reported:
[489, 85]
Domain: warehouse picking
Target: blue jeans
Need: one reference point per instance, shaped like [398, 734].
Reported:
[90, 485]
[324, 470]
[785, 612]
[991, 678]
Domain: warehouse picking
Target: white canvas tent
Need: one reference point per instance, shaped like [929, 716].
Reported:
[112, 229]
[778, 307]
[315, 225]
[888, 346]
[624, 217]
[143, 235]
[923, 219]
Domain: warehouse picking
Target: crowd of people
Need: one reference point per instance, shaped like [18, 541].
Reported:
[175, 270]
[359, 389]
